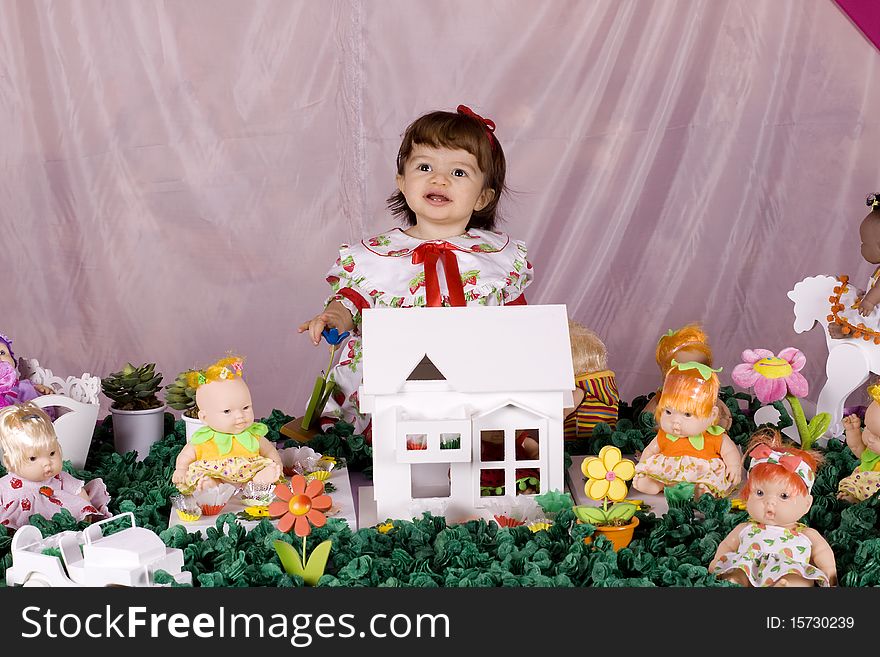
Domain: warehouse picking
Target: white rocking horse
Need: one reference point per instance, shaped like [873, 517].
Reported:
[850, 360]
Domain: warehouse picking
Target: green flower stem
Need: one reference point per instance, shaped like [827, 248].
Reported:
[800, 421]
[330, 364]
[304, 551]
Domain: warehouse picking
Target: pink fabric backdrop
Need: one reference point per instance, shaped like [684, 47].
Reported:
[177, 175]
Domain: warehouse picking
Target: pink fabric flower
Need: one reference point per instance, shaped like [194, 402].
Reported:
[772, 377]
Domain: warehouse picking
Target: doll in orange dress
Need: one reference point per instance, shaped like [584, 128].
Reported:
[689, 343]
[689, 446]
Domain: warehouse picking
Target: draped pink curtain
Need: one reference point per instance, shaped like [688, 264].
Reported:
[177, 176]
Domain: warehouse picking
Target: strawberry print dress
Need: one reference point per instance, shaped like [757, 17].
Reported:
[394, 270]
[768, 552]
[21, 498]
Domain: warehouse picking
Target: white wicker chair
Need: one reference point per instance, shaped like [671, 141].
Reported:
[78, 396]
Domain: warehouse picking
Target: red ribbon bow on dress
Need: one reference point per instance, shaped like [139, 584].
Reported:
[489, 124]
[428, 254]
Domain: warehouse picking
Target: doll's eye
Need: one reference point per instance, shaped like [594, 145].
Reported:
[687, 414]
[52, 453]
[759, 493]
[784, 496]
[227, 412]
[667, 411]
[247, 408]
[33, 458]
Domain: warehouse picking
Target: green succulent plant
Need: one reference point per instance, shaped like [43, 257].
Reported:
[133, 388]
[182, 397]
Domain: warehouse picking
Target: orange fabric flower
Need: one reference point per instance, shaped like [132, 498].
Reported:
[299, 505]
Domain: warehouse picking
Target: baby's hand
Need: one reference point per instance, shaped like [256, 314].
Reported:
[852, 422]
[316, 325]
[178, 477]
[865, 307]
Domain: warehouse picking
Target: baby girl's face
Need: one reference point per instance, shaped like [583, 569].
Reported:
[225, 406]
[5, 356]
[775, 503]
[683, 423]
[41, 464]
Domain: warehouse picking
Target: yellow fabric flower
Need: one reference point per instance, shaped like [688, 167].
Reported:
[385, 527]
[539, 526]
[607, 474]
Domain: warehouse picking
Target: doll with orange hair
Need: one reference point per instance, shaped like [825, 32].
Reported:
[865, 444]
[689, 447]
[231, 447]
[689, 343]
[773, 548]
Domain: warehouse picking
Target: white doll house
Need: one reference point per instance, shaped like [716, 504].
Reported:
[466, 404]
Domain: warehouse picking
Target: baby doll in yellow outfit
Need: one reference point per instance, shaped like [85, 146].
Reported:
[231, 447]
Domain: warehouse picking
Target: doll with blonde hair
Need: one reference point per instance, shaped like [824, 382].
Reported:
[595, 393]
[773, 548]
[231, 447]
[689, 343]
[35, 483]
[865, 444]
[689, 447]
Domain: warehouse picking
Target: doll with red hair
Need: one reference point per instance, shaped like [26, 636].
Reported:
[689, 343]
[689, 448]
[773, 548]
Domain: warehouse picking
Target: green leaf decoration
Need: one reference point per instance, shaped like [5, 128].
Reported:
[312, 409]
[594, 515]
[816, 427]
[289, 558]
[704, 370]
[554, 501]
[315, 563]
[621, 511]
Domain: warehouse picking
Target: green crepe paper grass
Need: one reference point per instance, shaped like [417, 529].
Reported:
[670, 550]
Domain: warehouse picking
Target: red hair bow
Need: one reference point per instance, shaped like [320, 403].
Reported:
[489, 124]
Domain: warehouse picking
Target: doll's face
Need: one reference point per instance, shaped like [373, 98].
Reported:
[39, 464]
[777, 503]
[225, 406]
[871, 434]
[5, 355]
[681, 423]
[869, 232]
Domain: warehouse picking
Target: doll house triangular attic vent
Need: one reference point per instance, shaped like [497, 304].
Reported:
[425, 371]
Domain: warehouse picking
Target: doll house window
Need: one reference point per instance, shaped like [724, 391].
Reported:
[428, 480]
[433, 441]
[511, 443]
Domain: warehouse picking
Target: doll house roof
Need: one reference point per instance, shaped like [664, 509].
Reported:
[474, 349]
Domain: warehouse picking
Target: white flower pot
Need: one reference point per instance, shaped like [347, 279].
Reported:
[138, 430]
[192, 424]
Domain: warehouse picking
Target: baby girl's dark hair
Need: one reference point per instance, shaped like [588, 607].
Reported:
[873, 201]
[456, 130]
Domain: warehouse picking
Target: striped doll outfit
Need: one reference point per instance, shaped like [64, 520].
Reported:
[599, 405]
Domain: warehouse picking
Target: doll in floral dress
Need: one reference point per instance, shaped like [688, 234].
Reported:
[450, 177]
[231, 447]
[689, 447]
[773, 548]
[865, 444]
[35, 483]
[14, 389]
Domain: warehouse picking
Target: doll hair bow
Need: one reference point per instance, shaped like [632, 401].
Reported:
[704, 370]
[488, 124]
[792, 463]
[873, 201]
